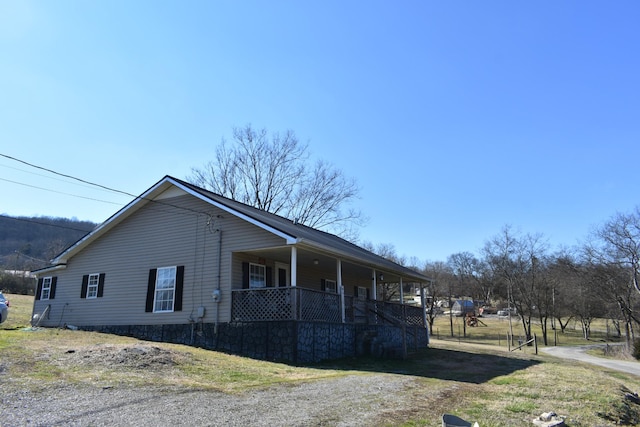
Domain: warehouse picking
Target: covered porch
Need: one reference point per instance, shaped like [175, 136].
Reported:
[297, 303]
[304, 284]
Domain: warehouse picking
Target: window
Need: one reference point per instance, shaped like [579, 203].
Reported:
[92, 286]
[361, 292]
[330, 286]
[46, 288]
[257, 276]
[165, 289]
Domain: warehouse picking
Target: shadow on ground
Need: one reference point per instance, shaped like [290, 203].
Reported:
[442, 364]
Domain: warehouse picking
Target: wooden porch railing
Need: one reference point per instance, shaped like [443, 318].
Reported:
[297, 303]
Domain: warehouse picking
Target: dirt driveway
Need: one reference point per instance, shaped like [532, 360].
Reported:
[357, 400]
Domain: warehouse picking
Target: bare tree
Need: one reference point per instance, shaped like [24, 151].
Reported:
[521, 260]
[272, 172]
[441, 285]
[474, 274]
[566, 275]
[613, 251]
[617, 242]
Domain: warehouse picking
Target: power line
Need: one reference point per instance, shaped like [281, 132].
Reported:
[67, 176]
[48, 177]
[58, 192]
[43, 223]
[96, 185]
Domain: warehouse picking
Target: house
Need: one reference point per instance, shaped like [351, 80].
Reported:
[182, 264]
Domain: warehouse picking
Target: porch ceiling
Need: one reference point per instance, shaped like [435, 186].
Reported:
[307, 260]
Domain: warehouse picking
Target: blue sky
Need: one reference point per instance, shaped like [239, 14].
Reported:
[456, 118]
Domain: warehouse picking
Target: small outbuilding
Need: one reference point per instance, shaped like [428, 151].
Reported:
[463, 306]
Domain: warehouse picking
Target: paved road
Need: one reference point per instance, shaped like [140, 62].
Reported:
[579, 353]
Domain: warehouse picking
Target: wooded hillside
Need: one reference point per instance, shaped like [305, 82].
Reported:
[28, 243]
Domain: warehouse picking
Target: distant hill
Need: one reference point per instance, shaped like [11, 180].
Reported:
[28, 243]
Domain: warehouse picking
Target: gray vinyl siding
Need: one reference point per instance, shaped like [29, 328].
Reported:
[157, 235]
[311, 279]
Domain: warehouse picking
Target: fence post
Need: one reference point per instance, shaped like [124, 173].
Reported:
[535, 342]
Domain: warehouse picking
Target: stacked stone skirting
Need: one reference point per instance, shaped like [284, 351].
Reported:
[286, 341]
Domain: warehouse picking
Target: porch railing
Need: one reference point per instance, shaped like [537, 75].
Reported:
[296, 303]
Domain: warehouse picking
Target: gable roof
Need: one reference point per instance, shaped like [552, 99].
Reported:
[293, 233]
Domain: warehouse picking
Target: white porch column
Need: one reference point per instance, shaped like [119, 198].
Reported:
[294, 266]
[374, 286]
[424, 306]
[340, 287]
[401, 292]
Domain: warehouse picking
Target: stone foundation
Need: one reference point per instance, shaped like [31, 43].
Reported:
[286, 341]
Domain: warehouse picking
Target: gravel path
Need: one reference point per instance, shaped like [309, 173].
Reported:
[357, 400]
[580, 353]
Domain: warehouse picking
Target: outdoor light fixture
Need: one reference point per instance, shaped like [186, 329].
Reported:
[381, 277]
[316, 262]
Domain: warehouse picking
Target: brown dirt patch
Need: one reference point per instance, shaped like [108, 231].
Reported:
[138, 356]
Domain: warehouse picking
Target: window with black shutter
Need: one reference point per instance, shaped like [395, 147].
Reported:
[165, 289]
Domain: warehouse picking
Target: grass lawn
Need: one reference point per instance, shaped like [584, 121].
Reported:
[494, 330]
[479, 381]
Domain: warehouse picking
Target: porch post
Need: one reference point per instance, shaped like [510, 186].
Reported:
[374, 286]
[294, 282]
[424, 306]
[294, 266]
[401, 292]
[340, 287]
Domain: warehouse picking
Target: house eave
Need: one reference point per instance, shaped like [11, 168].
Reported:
[49, 269]
[288, 238]
[148, 197]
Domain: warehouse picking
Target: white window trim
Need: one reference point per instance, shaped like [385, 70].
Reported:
[330, 286]
[161, 290]
[93, 286]
[282, 266]
[264, 276]
[46, 286]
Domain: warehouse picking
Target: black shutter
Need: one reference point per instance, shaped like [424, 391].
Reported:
[245, 275]
[39, 288]
[368, 294]
[355, 291]
[269, 278]
[101, 285]
[54, 282]
[323, 284]
[85, 285]
[151, 288]
[177, 303]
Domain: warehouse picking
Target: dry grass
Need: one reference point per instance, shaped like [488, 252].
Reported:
[478, 382]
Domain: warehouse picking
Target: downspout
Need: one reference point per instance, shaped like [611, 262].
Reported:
[217, 292]
[340, 287]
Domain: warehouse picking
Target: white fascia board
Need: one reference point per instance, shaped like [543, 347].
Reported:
[50, 269]
[288, 238]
